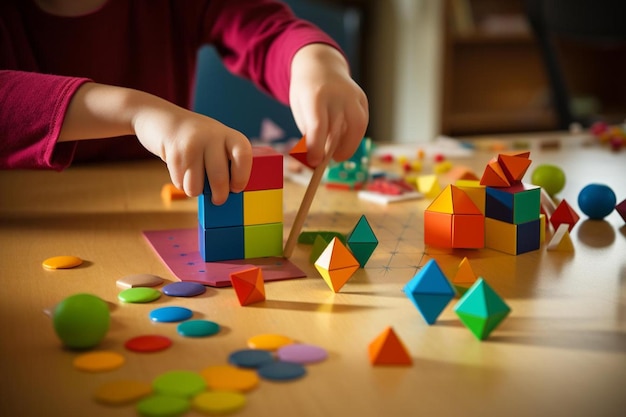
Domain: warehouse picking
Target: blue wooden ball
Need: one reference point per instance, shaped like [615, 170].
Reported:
[597, 201]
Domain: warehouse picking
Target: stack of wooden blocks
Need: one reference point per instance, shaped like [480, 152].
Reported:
[249, 224]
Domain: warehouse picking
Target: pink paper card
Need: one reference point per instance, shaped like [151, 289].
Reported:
[178, 249]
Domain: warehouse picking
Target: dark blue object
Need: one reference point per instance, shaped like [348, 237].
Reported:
[597, 201]
[251, 358]
[183, 289]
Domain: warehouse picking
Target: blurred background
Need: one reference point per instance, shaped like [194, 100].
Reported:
[455, 67]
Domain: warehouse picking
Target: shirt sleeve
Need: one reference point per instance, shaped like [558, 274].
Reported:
[32, 110]
[258, 39]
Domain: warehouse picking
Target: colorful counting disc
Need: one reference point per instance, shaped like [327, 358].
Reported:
[250, 358]
[139, 280]
[139, 295]
[229, 378]
[197, 328]
[218, 402]
[184, 384]
[62, 262]
[122, 391]
[268, 341]
[170, 314]
[163, 406]
[148, 343]
[282, 371]
[301, 353]
[100, 361]
[184, 289]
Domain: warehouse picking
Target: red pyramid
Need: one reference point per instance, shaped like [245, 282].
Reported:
[564, 214]
[248, 285]
[299, 152]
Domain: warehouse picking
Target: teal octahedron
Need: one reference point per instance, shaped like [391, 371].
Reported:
[481, 309]
[362, 241]
[430, 291]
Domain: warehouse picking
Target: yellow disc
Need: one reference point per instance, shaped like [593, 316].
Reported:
[122, 392]
[100, 361]
[268, 341]
[218, 402]
[229, 378]
[62, 262]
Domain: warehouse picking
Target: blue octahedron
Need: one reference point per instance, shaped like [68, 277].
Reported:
[430, 291]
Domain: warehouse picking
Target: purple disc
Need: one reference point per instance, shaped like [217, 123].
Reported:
[301, 353]
[183, 289]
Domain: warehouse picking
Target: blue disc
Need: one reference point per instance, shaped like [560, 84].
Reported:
[197, 328]
[183, 289]
[250, 358]
[597, 201]
[170, 314]
[281, 371]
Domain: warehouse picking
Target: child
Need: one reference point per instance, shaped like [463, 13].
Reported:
[121, 73]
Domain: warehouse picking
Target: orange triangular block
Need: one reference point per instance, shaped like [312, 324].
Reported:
[494, 176]
[388, 349]
[299, 152]
[465, 274]
[462, 203]
[248, 285]
[336, 264]
[453, 200]
[514, 166]
[561, 241]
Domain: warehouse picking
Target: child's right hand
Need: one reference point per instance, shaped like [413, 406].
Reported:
[189, 143]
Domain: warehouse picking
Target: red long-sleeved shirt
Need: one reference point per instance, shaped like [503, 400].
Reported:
[149, 45]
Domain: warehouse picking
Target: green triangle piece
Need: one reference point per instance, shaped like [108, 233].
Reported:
[430, 306]
[362, 232]
[475, 324]
[362, 251]
[430, 280]
[319, 244]
[481, 300]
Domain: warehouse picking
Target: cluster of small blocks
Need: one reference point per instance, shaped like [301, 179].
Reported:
[499, 212]
[512, 208]
[249, 224]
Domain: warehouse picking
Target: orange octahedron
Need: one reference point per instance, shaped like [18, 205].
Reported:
[506, 169]
[249, 285]
[452, 220]
[388, 349]
[336, 264]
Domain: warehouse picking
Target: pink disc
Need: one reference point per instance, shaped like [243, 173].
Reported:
[301, 353]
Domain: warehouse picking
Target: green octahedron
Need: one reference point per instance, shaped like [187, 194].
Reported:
[362, 241]
[481, 310]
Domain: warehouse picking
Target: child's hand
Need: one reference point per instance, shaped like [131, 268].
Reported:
[191, 143]
[326, 103]
[188, 142]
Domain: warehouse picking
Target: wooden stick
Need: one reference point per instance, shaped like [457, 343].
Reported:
[303, 211]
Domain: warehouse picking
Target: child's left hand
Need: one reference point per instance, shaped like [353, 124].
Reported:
[329, 108]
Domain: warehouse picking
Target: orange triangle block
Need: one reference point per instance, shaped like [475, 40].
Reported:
[336, 264]
[514, 166]
[388, 349]
[494, 176]
[299, 152]
[248, 285]
[465, 274]
[462, 203]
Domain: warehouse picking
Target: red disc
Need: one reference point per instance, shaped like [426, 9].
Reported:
[148, 343]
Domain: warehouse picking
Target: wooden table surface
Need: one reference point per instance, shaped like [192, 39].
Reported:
[561, 351]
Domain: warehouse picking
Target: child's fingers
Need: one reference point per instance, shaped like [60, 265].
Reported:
[193, 179]
[316, 132]
[240, 155]
[216, 165]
